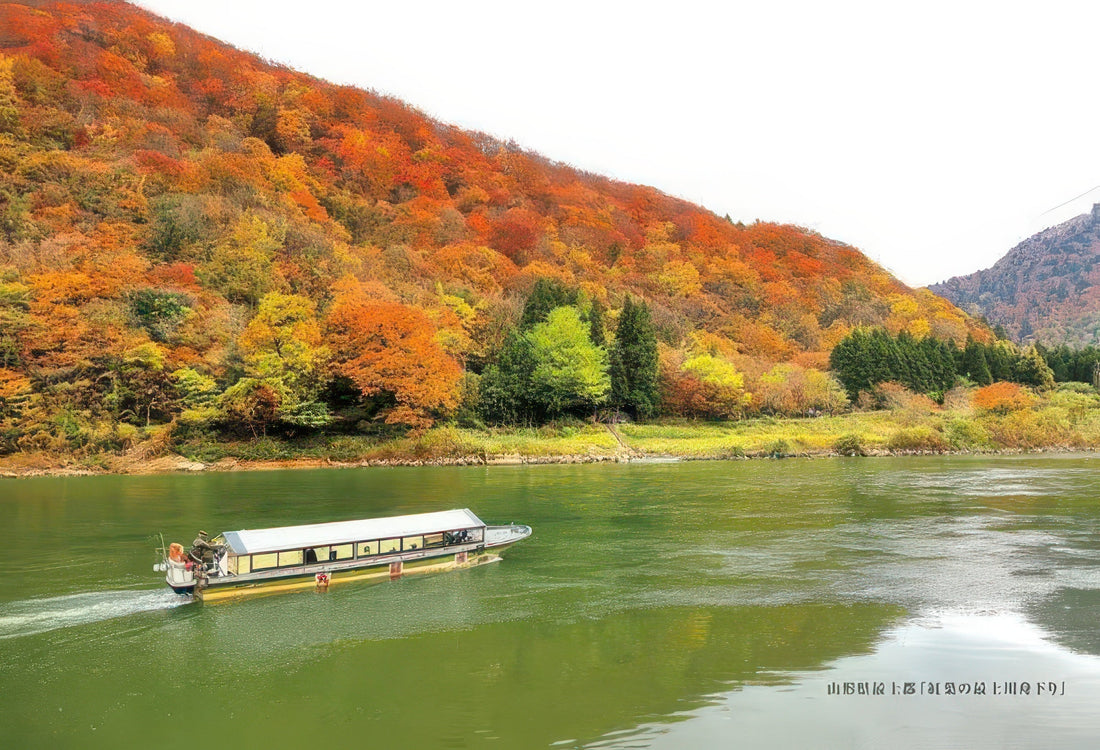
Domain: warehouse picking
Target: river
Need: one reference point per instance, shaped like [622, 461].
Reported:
[903, 603]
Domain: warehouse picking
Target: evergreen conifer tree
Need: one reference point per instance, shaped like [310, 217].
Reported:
[504, 390]
[545, 295]
[851, 361]
[596, 324]
[634, 361]
[1001, 357]
[1031, 369]
[974, 364]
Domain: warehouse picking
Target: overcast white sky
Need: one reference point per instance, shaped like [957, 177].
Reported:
[934, 136]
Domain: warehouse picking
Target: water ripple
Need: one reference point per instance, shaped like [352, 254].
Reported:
[33, 616]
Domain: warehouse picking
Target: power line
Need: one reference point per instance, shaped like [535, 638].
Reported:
[1071, 200]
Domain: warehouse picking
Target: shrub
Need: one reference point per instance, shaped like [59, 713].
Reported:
[1073, 387]
[777, 449]
[346, 449]
[1002, 398]
[965, 434]
[920, 438]
[849, 445]
[1033, 429]
[895, 396]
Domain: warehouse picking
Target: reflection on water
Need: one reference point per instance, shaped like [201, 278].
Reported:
[700, 605]
[993, 680]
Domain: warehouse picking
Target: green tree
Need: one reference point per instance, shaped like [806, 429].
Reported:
[570, 372]
[159, 312]
[546, 295]
[940, 359]
[282, 345]
[197, 394]
[853, 362]
[863, 359]
[283, 342]
[242, 265]
[1031, 369]
[596, 332]
[975, 365]
[178, 222]
[142, 388]
[15, 320]
[723, 387]
[505, 387]
[634, 370]
[1002, 357]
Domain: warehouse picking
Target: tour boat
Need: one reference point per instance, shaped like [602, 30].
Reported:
[323, 554]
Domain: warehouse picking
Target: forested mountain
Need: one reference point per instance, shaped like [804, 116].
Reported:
[1046, 289]
[189, 234]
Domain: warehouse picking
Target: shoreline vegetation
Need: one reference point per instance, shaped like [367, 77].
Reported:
[1064, 419]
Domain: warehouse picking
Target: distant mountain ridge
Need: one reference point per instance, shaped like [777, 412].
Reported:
[1046, 289]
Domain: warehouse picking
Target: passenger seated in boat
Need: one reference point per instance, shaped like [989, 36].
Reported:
[456, 537]
[175, 553]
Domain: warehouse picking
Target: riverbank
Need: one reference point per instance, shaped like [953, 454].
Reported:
[1063, 421]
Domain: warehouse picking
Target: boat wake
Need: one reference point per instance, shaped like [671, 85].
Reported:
[34, 616]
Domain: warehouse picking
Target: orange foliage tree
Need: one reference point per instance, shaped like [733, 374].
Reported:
[391, 348]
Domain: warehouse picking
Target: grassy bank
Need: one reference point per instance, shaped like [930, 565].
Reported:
[1067, 418]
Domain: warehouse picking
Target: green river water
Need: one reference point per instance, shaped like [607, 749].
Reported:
[666, 605]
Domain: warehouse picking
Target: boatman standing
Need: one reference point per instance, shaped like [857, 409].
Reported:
[202, 551]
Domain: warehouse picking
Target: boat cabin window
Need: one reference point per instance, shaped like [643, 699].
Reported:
[269, 560]
[412, 542]
[462, 536]
[292, 557]
[341, 552]
[317, 554]
[366, 549]
[433, 540]
[238, 565]
[389, 545]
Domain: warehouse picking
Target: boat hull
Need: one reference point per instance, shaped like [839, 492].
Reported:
[221, 590]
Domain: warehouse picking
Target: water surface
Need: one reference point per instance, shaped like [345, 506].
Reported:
[704, 605]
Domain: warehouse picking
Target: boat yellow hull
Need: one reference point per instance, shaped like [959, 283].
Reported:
[375, 573]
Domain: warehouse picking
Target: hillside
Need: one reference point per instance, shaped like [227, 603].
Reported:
[189, 234]
[1046, 289]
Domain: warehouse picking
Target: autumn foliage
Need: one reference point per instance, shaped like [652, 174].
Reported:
[390, 349]
[1002, 398]
[159, 187]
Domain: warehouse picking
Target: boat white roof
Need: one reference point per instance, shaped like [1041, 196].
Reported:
[251, 541]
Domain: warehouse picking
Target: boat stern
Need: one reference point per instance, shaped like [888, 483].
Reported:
[179, 573]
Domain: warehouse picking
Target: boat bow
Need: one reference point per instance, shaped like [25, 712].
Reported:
[502, 536]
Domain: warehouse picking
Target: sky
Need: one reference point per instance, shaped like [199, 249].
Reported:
[933, 136]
